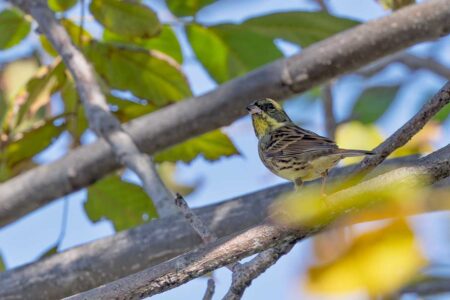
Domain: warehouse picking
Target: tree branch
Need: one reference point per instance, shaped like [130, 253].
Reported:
[244, 275]
[205, 259]
[210, 288]
[411, 61]
[340, 54]
[407, 131]
[91, 265]
[97, 111]
[328, 107]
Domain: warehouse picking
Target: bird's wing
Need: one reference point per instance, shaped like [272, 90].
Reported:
[291, 140]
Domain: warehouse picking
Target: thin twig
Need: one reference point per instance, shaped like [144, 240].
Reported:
[200, 228]
[323, 5]
[411, 61]
[408, 130]
[64, 220]
[210, 288]
[244, 275]
[97, 111]
[328, 109]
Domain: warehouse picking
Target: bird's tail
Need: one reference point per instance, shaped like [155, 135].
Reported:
[351, 152]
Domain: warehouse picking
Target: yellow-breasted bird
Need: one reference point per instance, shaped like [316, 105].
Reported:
[292, 152]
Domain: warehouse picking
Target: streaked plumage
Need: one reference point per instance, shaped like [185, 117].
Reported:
[290, 151]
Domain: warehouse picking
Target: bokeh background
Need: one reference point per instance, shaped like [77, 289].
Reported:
[30, 237]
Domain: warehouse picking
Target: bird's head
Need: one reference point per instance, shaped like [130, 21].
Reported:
[267, 115]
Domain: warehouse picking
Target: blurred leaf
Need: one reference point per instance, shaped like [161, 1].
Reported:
[182, 8]
[211, 146]
[373, 103]
[61, 5]
[443, 114]
[126, 110]
[76, 119]
[236, 50]
[125, 204]
[159, 78]
[165, 42]
[52, 250]
[76, 34]
[167, 172]
[31, 142]
[2, 264]
[38, 90]
[241, 48]
[422, 142]
[303, 28]
[16, 74]
[354, 135]
[127, 18]
[12, 78]
[396, 4]
[14, 27]
[379, 262]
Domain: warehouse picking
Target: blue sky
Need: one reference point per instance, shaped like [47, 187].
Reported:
[26, 239]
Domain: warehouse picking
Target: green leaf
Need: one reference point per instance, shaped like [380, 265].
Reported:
[241, 48]
[373, 102]
[126, 205]
[61, 5]
[228, 51]
[31, 142]
[127, 18]
[49, 252]
[211, 146]
[2, 264]
[13, 77]
[166, 42]
[147, 74]
[38, 90]
[443, 114]
[182, 8]
[76, 118]
[76, 34]
[14, 27]
[303, 28]
[396, 4]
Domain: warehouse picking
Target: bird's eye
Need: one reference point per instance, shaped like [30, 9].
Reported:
[270, 106]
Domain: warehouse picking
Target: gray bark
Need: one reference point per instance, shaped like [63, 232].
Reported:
[340, 54]
[99, 262]
[268, 234]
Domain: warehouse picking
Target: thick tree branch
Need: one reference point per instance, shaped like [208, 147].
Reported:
[205, 259]
[99, 262]
[97, 110]
[340, 54]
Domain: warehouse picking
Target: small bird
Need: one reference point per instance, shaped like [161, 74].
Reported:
[290, 151]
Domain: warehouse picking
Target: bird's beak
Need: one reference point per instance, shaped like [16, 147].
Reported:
[253, 109]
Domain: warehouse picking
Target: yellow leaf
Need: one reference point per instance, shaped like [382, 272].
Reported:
[355, 135]
[378, 262]
[167, 172]
[422, 141]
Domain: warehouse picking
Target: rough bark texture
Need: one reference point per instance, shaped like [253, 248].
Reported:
[323, 61]
[99, 262]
